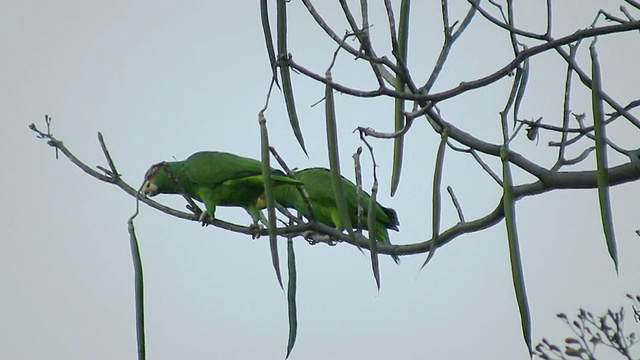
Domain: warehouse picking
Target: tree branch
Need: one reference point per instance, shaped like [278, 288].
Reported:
[550, 181]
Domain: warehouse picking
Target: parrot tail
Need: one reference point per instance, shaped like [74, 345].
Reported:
[382, 234]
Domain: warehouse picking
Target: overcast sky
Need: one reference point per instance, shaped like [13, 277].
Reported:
[162, 80]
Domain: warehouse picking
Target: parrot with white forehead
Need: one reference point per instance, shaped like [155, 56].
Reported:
[214, 178]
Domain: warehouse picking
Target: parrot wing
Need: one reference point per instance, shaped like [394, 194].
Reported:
[317, 182]
[212, 168]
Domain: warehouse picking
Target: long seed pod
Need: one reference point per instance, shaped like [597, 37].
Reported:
[399, 120]
[268, 194]
[285, 74]
[517, 274]
[291, 296]
[334, 160]
[601, 156]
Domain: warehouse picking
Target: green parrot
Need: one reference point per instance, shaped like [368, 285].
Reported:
[319, 188]
[214, 178]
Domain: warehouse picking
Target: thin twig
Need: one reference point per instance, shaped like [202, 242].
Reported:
[456, 204]
[479, 160]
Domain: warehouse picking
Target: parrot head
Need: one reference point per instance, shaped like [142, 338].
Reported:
[150, 186]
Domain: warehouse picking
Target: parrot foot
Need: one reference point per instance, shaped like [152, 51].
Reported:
[313, 238]
[256, 230]
[204, 218]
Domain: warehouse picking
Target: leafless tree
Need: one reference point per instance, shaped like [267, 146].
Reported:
[578, 134]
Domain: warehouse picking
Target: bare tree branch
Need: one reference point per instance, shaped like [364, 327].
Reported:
[551, 181]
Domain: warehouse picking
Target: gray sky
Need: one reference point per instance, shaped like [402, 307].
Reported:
[165, 80]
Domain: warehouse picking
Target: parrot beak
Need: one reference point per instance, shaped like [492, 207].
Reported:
[149, 189]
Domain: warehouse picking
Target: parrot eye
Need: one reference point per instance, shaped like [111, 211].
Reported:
[153, 171]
